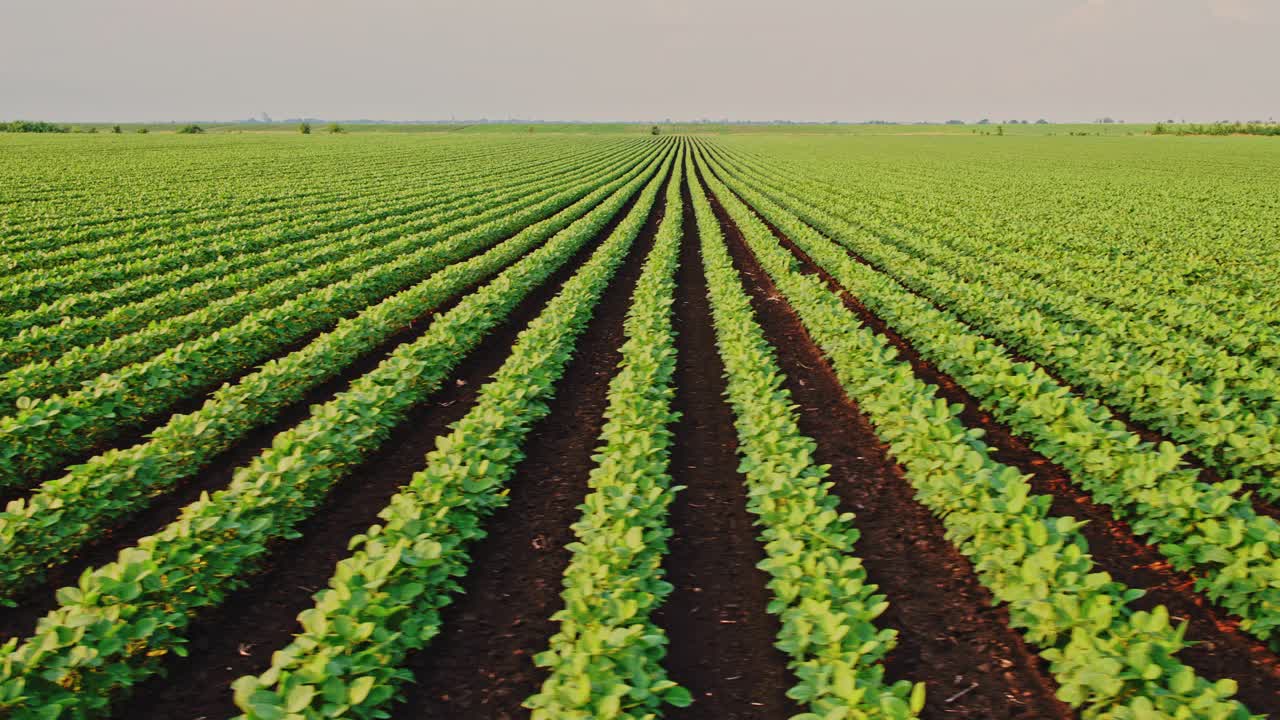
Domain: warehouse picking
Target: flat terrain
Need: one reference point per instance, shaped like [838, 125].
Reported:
[571, 422]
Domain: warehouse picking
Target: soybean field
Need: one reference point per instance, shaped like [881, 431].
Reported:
[567, 425]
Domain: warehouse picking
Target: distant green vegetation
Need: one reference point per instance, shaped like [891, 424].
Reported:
[26, 126]
[1034, 128]
[1222, 128]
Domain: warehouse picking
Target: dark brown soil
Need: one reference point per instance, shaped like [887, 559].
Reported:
[721, 636]
[950, 633]
[1222, 649]
[481, 663]
[164, 508]
[239, 636]
[217, 474]
[135, 430]
[1148, 434]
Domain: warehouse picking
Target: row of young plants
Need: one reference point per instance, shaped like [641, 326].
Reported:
[384, 600]
[38, 531]
[822, 597]
[1088, 276]
[38, 287]
[162, 207]
[1109, 660]
[72, 232]
[605, 659]
[274, 243]
[47, 342]
[72, 258]
[46, 432]
[113, 629]
[1131, 336]
[82, 363]
[1092, 273]
[1078, 226]
[1217, 427]
[77, 197]
[1203, 528]
[1164, 286]
[97, 289]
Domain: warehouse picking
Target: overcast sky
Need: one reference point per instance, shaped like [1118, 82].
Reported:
[643, 59]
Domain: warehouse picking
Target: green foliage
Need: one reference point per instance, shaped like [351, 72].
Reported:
[605, 660]
[335, 128]
[27, 126]
[826, 606]
[148, 596]
[384, 600]
[1053, 280]
[1035, 563]
[66, 511]
[1222, 128]
[49, 430]
[1201, 527]
[190, 130]
[1207, 374]
[305, 128]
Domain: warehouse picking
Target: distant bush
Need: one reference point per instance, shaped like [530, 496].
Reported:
[115, 130]
[142, 131]
[335, 128]
[305, 128]
[27, 126]
[190, 130]
[654, 130]
[1219, 128]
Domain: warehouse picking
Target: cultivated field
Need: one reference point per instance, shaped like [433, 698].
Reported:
[707, 425]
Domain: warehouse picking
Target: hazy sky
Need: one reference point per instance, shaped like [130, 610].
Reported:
[643, 59]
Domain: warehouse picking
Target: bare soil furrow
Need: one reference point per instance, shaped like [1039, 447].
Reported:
[1221, 648]
[481, 663]
[951, 634]
[721, 634]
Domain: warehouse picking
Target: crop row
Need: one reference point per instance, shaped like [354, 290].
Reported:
[110, 631]
[97, 205]
[38, 530]
[70, 257]
[384, 600]
[1201, 527]
[46, 432]
[105, 287]
[296, 278]
[1108, 659]
[40, 285]
[605, 659]
[826, 606]
[1096, 229]
[1220, 429]
[46, 342]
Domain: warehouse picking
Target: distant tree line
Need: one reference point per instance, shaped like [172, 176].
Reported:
[28, 126]
[1218, 128]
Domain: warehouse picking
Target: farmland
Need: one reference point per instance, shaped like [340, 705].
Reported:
[576, 423]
